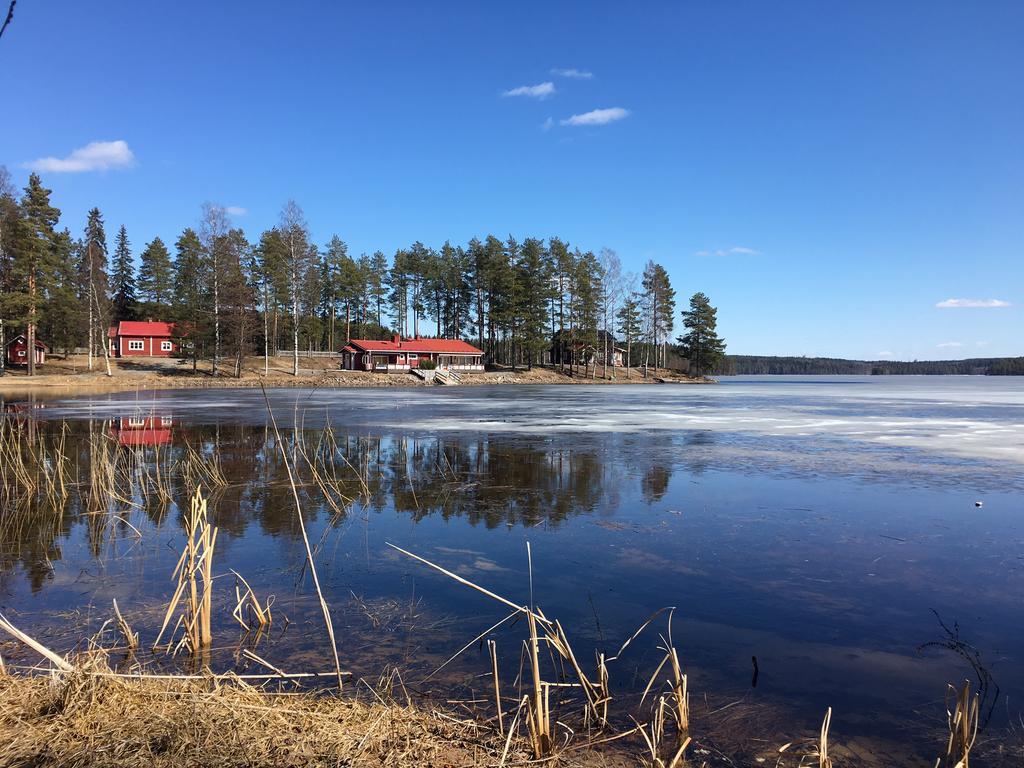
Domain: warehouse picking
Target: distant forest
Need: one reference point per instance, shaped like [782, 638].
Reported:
[978, 366]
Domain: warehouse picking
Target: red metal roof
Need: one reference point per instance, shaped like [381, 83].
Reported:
[139, 328]
[21, 337]
[427, 346]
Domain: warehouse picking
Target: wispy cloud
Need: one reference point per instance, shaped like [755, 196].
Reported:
[949, 344]
[539, 91]
[736, 250]
[885, 353]
[972, 304]
[598, 117]
[573, 74]
[547, 124]
[95, 156]
[236, 210]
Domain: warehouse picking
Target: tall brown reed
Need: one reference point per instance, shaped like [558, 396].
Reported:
[962, 719]
[194, 574]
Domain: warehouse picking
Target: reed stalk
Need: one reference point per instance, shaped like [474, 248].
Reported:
[962, 719]
[305, 539]
[194, 574]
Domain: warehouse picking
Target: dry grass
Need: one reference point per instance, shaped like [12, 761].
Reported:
[81, 719]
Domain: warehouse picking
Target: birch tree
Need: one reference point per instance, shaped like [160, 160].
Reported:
[295, 235]
[213, 227]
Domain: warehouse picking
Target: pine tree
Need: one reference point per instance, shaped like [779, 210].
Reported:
[337, 285]
[378, 283]
[156, 278]
[533, 285]
[93, 282]
[64, 314]
[191, 292]
[586, 289]
[9, 215]
[271, 277]
[34, 260]
[702, 345]
[629, 325]
[237, 297]
[661, 308]
[122, 279]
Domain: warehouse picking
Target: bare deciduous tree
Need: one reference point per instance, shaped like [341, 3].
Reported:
[213, 227]
[295, 234]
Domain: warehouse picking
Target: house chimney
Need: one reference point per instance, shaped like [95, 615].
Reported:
[396, 339]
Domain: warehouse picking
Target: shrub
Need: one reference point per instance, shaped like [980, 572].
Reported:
[427, 365]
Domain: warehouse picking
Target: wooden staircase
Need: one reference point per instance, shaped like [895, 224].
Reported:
[446, 377]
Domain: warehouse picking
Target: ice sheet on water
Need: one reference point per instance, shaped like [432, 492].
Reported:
[973, 417]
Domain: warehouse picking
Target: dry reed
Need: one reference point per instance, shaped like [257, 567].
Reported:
[194, 573]
[962, 719]
[248, 606]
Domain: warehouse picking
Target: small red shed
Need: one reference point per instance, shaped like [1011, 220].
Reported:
[16, 351]
[131, 338]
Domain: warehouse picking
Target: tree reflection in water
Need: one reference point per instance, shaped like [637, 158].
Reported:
[490, 481]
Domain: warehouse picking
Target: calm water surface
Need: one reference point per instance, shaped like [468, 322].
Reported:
[824, 525]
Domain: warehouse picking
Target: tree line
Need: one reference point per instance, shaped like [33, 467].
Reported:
[762, 365]
[232, 296]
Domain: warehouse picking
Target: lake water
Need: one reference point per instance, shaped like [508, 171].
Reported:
[825, 525]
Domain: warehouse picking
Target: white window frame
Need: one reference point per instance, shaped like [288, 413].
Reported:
[132, 345]
[410, 357]
[166, 346]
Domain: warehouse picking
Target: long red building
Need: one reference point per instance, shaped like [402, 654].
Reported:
[131, 338]
[400, 354]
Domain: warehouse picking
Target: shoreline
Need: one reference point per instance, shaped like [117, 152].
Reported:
[130, 376]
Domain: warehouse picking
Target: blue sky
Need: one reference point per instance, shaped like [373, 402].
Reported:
[827, 172]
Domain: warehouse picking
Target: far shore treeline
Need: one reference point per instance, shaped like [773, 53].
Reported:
[794, 366]
[232, 296]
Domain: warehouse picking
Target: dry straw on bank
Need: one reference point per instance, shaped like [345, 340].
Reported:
[82, 719]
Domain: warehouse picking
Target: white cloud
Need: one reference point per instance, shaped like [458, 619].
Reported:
[982, 343]
[949, 344]
[972, 304]
[236, 210]
[736, 250]
[539, 91]
[885, 353]
[547, 124]
[573, 74]
[598, 117]
[95, 156]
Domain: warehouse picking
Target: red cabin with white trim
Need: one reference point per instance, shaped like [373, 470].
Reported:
[398, 355]
[16, 351]
[131, 338]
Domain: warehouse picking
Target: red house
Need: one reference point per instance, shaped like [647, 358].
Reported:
[400, 354]
[142, 430]
[130, 338]
[16, 351]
